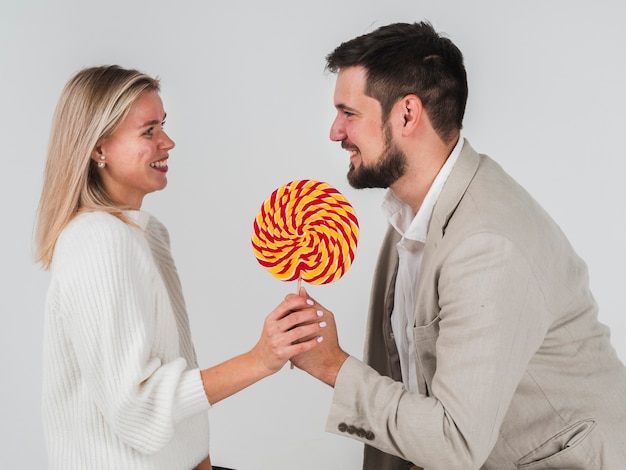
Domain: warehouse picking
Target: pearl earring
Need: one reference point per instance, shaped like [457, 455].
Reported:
[101, 163]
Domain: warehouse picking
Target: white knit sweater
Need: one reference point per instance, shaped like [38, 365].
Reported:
[121, 386]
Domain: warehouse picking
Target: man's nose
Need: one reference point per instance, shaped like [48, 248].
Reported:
[337, 130]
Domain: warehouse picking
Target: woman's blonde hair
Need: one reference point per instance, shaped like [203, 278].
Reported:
[93, 103]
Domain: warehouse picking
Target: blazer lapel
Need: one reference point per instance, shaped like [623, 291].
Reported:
[451, 195]
[453, 191]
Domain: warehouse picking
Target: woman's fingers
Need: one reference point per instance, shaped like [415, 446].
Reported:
[304, 346]
[293, 327]
[299, 317]
[290, 304]
[304, 332]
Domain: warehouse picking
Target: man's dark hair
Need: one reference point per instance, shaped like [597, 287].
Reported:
[402, 59]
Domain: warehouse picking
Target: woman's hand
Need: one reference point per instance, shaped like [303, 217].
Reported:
[292, 328]
[205, 464]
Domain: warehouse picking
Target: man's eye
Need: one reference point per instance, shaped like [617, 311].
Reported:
[162, 124]
[149, 131]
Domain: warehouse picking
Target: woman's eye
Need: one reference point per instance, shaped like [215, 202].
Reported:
[149, 131]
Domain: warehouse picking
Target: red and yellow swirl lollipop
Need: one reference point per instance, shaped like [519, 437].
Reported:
[306, 230]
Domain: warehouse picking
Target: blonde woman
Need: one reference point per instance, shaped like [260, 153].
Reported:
[122, 388]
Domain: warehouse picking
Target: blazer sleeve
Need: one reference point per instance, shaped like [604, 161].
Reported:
[491, 320]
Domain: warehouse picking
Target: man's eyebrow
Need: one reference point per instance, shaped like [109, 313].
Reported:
[344, 107]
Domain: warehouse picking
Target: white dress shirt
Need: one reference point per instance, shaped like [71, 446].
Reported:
[410, 251]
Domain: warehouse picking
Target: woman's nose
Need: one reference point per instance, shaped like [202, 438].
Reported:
[168, 143]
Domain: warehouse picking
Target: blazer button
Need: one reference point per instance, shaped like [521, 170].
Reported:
[360, 432]
[351, 429]
[369, 436]
[343, 427]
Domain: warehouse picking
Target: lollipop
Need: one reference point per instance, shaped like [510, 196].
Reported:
[306, 230]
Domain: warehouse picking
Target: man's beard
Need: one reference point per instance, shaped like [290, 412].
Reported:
[391, 166]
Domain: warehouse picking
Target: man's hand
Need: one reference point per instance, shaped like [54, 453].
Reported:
[324, 361]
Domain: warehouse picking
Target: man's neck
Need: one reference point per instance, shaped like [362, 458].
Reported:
[424, 166]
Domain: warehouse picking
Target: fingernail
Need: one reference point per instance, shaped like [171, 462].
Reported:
[320, 339]
[310, 302]
[322, 324]
[320, 313]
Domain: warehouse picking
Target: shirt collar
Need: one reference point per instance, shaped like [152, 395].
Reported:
[400, 214]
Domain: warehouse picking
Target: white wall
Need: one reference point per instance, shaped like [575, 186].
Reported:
[250, 106]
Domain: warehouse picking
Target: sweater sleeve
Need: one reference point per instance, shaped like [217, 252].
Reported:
[113, 301]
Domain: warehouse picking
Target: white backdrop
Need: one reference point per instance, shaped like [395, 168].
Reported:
[250, 106]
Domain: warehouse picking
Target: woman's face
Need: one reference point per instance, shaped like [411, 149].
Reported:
[136, 153]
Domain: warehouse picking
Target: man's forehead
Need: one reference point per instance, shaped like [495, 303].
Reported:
[355, 74]
[350, 82]
[350, 88]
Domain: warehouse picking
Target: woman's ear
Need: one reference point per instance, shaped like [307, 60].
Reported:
[96, 152]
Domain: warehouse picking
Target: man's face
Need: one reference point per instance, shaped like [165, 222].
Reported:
[375, 159]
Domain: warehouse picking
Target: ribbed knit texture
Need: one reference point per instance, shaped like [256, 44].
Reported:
[121, 386]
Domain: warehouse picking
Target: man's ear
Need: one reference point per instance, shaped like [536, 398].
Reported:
[411, 109]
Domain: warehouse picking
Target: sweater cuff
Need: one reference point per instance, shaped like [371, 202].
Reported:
[191, 398]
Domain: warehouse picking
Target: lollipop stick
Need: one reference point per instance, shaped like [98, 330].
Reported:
[298, 293]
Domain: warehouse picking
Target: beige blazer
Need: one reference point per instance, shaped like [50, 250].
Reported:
[515, 370]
